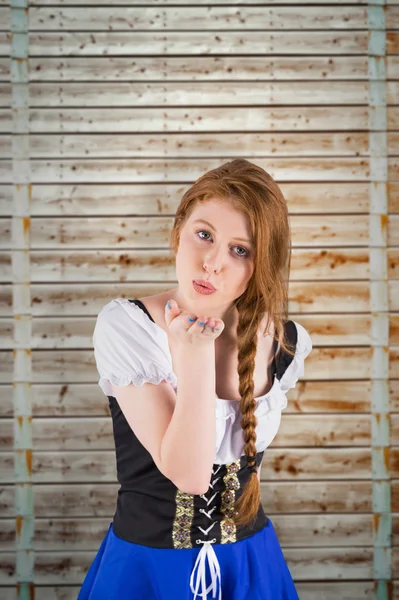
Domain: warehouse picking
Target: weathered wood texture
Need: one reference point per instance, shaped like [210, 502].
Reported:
[119, 126]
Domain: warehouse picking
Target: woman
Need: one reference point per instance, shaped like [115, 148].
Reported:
[196, 379]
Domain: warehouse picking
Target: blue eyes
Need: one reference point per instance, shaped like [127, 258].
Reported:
[242, 248]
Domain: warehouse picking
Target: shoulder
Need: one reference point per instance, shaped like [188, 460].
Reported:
[291, 367]
[298, 336]
[129, 347]
[116, 308]
[121, 321]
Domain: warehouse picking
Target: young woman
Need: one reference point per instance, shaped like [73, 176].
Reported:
[196, 379]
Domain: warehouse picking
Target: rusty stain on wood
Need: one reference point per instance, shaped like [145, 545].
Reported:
[28, 458]
[26, 224]
[63, 391]
[18, 524]
[386, 453]
[392, 38]
[376, 522]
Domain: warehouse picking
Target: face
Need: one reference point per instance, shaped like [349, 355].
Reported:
[214, 254]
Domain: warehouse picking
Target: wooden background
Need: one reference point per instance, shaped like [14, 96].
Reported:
[128, 105]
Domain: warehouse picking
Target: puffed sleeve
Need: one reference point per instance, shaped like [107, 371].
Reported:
[130, 348]
[296, 366]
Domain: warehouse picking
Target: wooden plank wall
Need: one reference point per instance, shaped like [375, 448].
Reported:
[107, 114]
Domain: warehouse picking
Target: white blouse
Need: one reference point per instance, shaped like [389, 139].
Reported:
[130, 348]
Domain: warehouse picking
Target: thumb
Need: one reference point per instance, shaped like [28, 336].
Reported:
[172, 312]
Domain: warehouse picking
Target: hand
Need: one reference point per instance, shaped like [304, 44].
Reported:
[178, 323]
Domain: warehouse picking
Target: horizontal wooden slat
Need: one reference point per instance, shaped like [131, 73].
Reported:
[292, 531]
[394, 396]
[76, 332]
[180, 93]
[199, 144]
[199, 69]
[5, 234]
[5, 94]
[197, 43]
[75, 299]
[5, 267]
[5, 69]
[186, 94]
[52, 300]
[5, 121]
[88, 400]
[157, 199]
[392, 21]
[393, 230]
[393, 196]
[393, 263]
[393, 169]
[5, 41]
[6, 206]
[5, 146]
[6, 300]
[78, 366]
[392, 42]
[211, 94]
[161, 199]
[158, 265]
[99, 499]
[139, 170]
[172, 170]
[331, 590]
[136, 120]
[281, 464]
[392, 63]
[5, 171]
[154, 232]
[82, 399]
[201, 18]
[85, 400]
[296, 431]
[394, 363]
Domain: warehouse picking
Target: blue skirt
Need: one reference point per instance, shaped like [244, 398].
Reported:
[251, 569]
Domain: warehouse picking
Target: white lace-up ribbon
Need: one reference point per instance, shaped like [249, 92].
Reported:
[207, 552]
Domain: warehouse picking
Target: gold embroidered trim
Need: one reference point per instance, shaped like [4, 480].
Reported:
[181, 533]
[231, 485]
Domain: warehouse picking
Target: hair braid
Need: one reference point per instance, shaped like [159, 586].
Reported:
[247, 505]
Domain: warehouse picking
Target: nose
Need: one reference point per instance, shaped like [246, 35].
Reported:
[213, 261]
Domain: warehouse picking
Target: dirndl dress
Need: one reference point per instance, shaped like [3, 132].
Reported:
[163, 543]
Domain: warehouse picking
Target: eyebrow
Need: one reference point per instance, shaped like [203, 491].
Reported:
[212, 227]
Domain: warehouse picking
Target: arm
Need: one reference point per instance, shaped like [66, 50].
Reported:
[188, 446]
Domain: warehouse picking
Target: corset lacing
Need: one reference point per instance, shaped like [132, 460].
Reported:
[207, 552]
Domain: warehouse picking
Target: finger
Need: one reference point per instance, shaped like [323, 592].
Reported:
[210, 328]
[201, 323]
[190, 322]
[210, 325]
